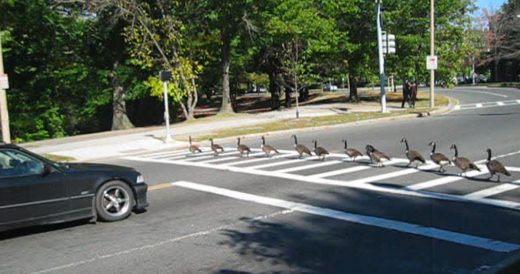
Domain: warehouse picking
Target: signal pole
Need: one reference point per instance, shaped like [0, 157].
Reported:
[432, 53]
[4, 113]
[381, 58]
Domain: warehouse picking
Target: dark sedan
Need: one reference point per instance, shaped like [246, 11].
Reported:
[35, 190]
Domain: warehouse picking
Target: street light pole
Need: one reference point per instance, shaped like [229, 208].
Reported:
[166, 112]
[381, 58]
[4, 113]
[432, 53]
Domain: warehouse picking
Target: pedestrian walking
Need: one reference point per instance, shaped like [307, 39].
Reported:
[413, 93]
[406, 93]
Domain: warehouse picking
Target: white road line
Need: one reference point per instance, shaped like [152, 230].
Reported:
[457, 107]
[445, 180]
[323, 181]
[220, 159]
[514, 169]
[291, 161]
[430, 232]
[484, 92]
[340, 171]
[258, 160]
[211, 156]
[292, 169]
[394, 174]
[478, 105]
[500, 103]
[492, 191]
[227, 158]
[518, 101]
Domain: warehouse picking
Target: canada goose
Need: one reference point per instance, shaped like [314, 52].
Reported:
[439, 158]
[301, 149]
[495, 167]
[267, 149]
[216, 147]
[352, 152]
[319, 151]
[463, 163]
[243, 149]
[376, 156]
[194, 148]
[412, 155]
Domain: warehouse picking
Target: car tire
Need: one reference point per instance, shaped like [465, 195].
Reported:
[114, 201]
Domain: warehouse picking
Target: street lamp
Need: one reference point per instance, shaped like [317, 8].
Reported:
[165, 77]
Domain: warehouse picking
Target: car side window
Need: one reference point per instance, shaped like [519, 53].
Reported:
[16, 164]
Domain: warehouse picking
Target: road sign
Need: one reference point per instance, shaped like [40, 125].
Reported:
[4, 82]
[388, 43]
[431, 62]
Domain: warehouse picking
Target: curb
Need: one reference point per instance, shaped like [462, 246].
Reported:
[503, 265]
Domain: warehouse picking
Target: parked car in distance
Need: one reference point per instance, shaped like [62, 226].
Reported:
[36, 191]
[330, 87]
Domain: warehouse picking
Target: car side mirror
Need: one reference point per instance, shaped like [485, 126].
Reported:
[47, 169]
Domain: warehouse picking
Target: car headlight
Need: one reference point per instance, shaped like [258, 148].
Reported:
[140, 179]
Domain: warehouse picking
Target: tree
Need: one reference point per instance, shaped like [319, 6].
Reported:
[157, 40]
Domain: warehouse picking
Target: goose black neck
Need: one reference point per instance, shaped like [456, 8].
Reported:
[295, 140]
[456, 151]
[489, 155]
[263, 141]
[345, 141]
[433, 148]
[406, 144]
[238, 140]
[190, 139]
[315, 144]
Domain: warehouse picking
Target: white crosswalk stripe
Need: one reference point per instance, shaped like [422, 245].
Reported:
[492, 191]
[292, 169]
[288, 162]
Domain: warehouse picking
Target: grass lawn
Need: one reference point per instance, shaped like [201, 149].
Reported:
[421, 106]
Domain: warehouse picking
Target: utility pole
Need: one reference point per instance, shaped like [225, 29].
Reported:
[4, 113]
[381, 58]
[432, 53]
[165, 77]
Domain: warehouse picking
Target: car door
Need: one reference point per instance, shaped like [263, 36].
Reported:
[27, 193]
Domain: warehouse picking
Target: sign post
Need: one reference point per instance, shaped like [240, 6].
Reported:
[381, 58]
[4, 113]
[165, 77]
[432, 54]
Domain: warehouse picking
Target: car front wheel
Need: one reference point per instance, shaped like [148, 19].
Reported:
[114, 201]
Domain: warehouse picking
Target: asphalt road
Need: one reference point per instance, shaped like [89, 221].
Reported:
[228, 214]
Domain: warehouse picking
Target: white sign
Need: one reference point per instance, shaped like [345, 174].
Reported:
[431, 62]
[4, 82]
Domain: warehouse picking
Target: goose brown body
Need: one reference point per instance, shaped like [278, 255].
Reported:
[320, 151]
[439, 158]
[301, 149]
[495, 167]
[352, 152]
[412, 155]
[267, 149]
[194, 148]
[376, 156]
[463, 163]
[216, 148]
[243, 149]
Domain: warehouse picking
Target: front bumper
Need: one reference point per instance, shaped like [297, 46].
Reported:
[140, 196]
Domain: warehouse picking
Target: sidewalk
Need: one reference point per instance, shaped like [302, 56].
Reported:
[138, 140]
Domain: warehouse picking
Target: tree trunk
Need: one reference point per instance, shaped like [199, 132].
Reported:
[119, 116]
[353, 90]
[274, 89]
[226, 48]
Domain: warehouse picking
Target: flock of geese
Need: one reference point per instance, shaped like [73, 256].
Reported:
[376, 157]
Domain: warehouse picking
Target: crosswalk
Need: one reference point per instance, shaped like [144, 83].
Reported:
[487, 104]
[339, 170]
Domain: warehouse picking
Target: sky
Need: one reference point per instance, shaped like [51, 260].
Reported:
[494, 4]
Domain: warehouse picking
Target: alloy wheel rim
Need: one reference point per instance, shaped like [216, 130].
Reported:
[116, 201]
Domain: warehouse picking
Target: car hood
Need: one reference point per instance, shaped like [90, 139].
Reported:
[98, 167]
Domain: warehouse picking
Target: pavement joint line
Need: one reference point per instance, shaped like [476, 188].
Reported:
[492, 191]
[484, 92]
[158, 244]
[292, 169]
[388, 224]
